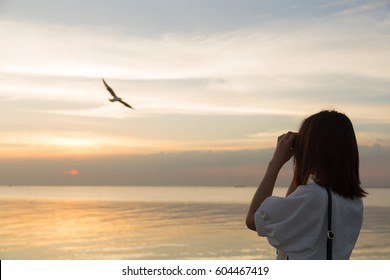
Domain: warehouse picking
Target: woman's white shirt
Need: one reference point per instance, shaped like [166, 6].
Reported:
[297, 224]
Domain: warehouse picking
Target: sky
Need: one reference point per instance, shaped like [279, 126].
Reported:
[213, 84]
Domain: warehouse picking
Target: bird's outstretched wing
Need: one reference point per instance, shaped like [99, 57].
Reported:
[109, 89]
[127, 105]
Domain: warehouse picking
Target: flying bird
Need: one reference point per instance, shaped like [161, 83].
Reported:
[115, 97]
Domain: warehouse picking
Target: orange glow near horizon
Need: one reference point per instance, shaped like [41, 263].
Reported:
[73, 172]
[77, 144]
[90, 146]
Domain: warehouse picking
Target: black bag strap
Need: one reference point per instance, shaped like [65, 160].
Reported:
[330, 234]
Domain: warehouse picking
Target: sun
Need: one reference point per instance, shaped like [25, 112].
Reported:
[73, 172]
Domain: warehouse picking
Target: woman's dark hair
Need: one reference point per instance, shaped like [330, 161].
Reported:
[326, 149]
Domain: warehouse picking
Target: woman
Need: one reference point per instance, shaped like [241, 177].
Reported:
[325, 157]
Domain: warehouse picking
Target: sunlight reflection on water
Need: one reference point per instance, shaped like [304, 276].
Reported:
[87, 223]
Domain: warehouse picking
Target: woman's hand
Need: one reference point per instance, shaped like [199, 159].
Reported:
[283, 153]
[284, 149]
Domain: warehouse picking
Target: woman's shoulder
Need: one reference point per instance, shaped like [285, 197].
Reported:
[311, 195]
[311, 192]
[311, 189]
[317, 195]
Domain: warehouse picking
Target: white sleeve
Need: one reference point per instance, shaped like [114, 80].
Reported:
[292, 223]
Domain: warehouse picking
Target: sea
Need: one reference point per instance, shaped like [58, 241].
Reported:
[153, 223]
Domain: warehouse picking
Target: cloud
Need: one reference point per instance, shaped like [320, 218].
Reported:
[184, 168]
[204, 91]
[268, 69]
[259, 51]
[374, 161]
[204, 168]
[371, 6]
